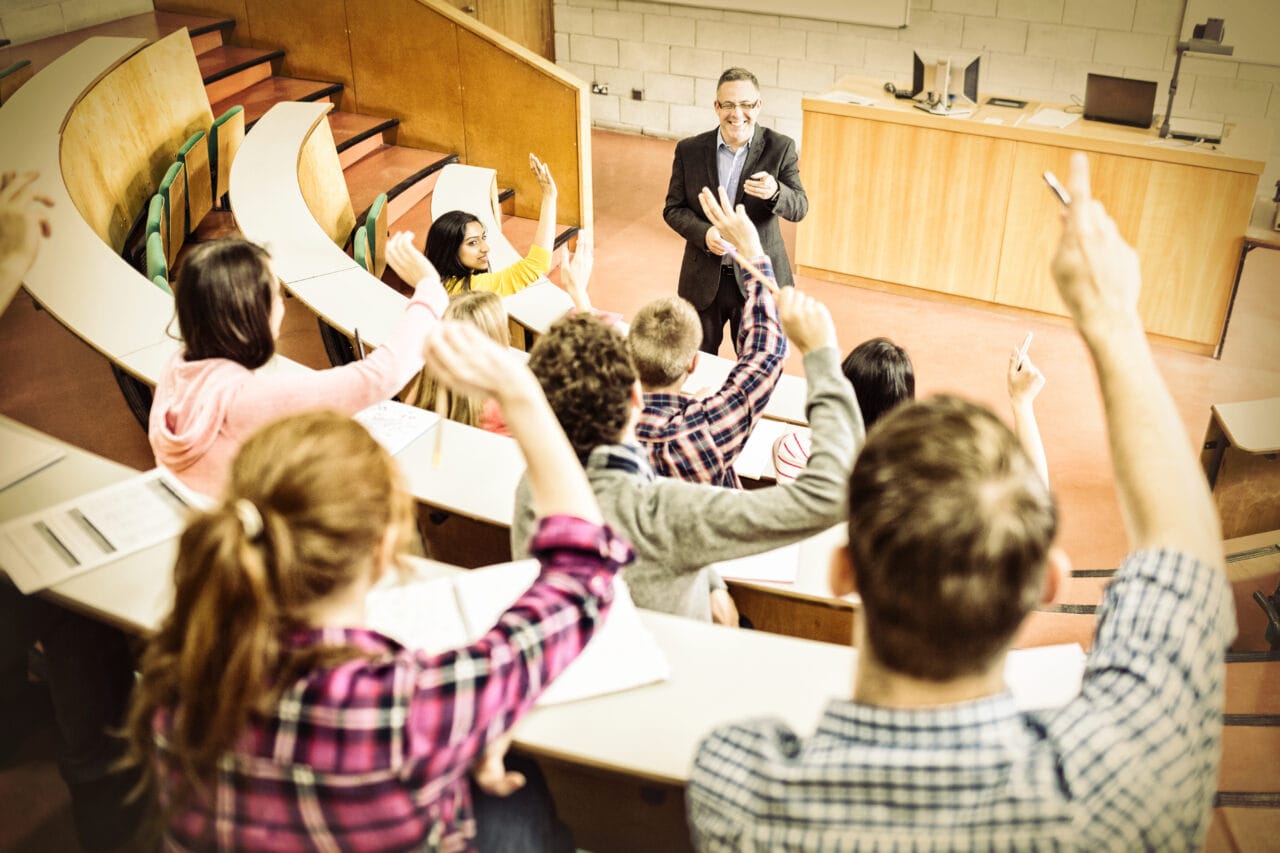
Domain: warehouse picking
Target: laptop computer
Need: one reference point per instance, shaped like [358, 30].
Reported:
[1120, 100]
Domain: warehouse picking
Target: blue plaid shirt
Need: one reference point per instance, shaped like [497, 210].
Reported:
[1130, 764]
[699, 440]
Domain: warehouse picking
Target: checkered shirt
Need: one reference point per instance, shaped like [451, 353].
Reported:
[699, 440]
[373, 754]
[1130, 764]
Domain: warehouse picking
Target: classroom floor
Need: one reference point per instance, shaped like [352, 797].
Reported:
[55, 383]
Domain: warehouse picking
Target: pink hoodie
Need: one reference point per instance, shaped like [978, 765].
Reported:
[204, 410]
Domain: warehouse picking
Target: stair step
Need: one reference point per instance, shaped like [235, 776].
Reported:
[405, 174]
[227, 70]
[206, 33]
[262, 96]
[357, 135]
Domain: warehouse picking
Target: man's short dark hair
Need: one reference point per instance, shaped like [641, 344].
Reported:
[585, 371]
[663, 340]
[882, 376]
[731, 75]
[949, 534]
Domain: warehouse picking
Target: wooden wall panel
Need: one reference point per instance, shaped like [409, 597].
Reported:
[1192, 229]
[323, 187]
[512, 108]
[123, 135]
[1032, 229]
[313, 34]
[908, 205]
[409, 69]
[235, 9]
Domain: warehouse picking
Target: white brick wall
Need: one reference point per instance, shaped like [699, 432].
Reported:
[1038, 49]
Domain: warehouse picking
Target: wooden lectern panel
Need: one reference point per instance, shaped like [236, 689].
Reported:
[908, 205]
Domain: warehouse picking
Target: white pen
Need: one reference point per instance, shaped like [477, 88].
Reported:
[1022, 350]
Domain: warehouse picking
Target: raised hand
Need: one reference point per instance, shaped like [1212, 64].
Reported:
[732, 226]
[1025, 379]
[542, 172]
[806, 321]
[466, 360]
[575, 272]
[413, 268]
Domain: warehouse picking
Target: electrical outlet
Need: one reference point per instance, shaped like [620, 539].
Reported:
[599, 88]
[637, 95]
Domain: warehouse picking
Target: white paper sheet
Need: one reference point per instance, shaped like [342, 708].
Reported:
[1044, 677]
[396, 425]
[454, 611]
[45, 547]
[1049, 117]
[781, 565]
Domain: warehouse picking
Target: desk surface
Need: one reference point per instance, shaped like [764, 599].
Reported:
[1252, 426]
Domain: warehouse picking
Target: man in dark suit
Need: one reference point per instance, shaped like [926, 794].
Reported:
[759, 169]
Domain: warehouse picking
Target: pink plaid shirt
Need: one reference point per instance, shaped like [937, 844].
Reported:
[373, 754]
[699, 440]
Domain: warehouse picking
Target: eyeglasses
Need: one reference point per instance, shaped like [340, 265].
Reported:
[730, 106]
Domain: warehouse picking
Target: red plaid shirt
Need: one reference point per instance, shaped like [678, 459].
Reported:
[373, 754]
[699, 440]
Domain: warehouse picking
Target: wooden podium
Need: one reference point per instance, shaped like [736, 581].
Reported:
[955, 208]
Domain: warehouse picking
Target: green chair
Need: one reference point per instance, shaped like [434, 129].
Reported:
[225, 137]
[157, 263]
[360, 249]
[375, 228]
[156, 221]
[173, 189]
[162, 283]
[194, 157]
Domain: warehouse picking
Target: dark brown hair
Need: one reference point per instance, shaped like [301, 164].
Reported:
[223, 297]
[444, 241]
[949, 534]
[663, 339]
[882, 376]
[325, 493]
[584, 370]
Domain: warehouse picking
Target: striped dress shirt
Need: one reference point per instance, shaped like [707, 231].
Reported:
[1130, 764]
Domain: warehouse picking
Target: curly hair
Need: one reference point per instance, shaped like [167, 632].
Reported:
[585, 371]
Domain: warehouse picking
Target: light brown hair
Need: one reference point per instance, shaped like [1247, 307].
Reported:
[949, 534]
[485, 311]
[326, 494]
[663, 339]
[585, 371]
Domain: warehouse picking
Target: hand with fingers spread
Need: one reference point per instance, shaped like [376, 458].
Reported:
[22, 224]
[1096, 271]
[732, 226]
[806, 321]
[492, 775]
[575, 272]
[413, 268]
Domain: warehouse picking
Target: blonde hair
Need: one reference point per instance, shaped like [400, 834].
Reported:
[309, 504]
[663, 339]
[485, 311]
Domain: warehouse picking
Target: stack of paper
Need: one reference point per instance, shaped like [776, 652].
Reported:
[396, 425]
[455, 611]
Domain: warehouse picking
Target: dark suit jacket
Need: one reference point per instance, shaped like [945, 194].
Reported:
[695, 168]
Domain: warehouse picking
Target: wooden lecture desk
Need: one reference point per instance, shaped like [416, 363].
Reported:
[955, 208]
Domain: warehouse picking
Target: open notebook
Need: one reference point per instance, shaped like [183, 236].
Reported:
[454, 611]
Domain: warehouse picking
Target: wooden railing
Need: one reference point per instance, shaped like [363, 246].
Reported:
[455, 84]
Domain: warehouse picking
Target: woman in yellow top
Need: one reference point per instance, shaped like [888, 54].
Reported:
[457, 247]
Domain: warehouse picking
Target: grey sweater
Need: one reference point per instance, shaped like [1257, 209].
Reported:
[677, 527]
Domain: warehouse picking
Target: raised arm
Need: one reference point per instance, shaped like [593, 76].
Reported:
[1025, 382]
[545, 236]
[1163, 494]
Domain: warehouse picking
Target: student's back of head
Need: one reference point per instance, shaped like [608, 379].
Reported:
[663, 340]
[949, 533]
[310, 503]
[225, 299]
[587, 377]
[882, 376]
[485, 311]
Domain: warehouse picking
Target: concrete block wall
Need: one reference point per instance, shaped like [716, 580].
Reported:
[28, 20]
[1036, 49]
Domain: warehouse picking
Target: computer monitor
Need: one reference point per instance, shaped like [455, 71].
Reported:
[946, 82]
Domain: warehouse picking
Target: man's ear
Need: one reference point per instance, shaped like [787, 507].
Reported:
[637, 395]
[1057, 575]
[840, 574]
[693, 363]
[384, 556]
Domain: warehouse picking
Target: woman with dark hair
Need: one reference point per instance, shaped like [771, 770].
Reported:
[458, 248]
[229, 309]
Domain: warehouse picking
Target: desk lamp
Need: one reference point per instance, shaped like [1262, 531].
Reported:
[1205, 38]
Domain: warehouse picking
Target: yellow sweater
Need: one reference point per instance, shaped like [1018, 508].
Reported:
[507, 281]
